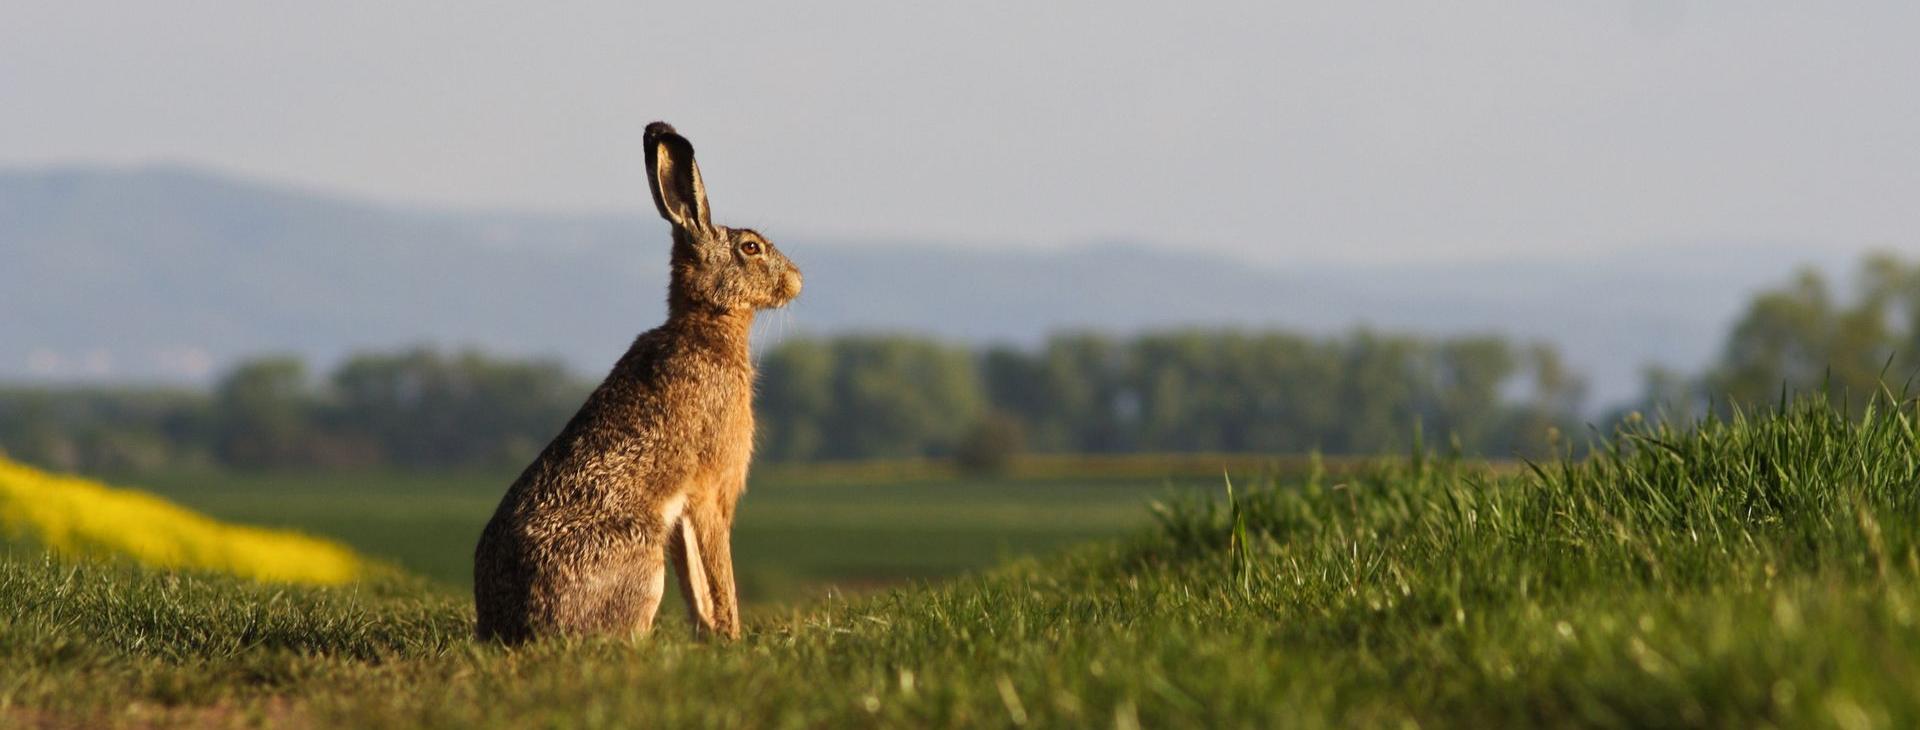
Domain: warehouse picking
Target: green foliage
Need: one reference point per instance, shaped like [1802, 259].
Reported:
[1277, 393]
[265, 412]
[1761, 571]
[991, 445]
[854, 397]
[93, 429]
[425, 408]
[866, 397]
[1182, 391]
[1800, 338]
[418, 408]
[1069, 394]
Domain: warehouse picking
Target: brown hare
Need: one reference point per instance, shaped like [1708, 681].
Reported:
[655, 461]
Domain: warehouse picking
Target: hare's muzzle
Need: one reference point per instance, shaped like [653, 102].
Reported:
[789, 285]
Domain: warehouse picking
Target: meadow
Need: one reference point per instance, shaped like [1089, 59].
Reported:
[803, 529]
[1757, 572]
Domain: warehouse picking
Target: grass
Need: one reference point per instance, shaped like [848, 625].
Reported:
[1757, 572]
[800, 529]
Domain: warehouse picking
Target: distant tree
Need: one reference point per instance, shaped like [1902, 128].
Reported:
[1464, 399]
[1800, 338]
[796, 405]
[1199, 390]
[992, 444]
[426, 408]
[106, 429]
[264, 409]
[1803, 337]
[868, 396]
[1228, 391]
[1015, 381]
[1549, 407]
[1073, 394]
[1381, 378]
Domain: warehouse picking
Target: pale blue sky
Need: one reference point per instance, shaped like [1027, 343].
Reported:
[1277, 131]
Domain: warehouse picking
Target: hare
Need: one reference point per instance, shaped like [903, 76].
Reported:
[655, 461]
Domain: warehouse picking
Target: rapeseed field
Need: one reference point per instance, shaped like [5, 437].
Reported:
[75, 516]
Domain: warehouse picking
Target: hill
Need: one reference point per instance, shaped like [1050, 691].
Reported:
[170, 273]
[1755, 573]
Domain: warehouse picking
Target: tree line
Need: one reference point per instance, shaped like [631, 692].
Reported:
[1181, 391]
[415, 408]
[897, 396]
[850, 397]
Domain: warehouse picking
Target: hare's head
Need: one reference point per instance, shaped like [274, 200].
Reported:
[713, 266]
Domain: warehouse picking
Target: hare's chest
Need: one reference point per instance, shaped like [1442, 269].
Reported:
[726, 433]
[729, 451]
[734, 431]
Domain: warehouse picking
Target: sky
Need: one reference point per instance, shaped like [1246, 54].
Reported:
[1276, 131]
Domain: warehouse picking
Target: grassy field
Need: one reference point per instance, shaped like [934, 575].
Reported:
[801, 528]
[1753, 574]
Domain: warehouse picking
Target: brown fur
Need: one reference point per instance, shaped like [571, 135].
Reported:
[655, 461]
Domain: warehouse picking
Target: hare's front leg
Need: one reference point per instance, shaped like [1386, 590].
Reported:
[646, 586]
[683, 549]
[702, 549]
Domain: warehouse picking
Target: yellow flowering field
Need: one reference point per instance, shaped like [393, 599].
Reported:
[75, 516]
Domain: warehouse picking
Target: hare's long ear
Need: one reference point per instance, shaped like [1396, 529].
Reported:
[675, 179]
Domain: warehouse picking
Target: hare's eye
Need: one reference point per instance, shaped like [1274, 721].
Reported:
[750, 248]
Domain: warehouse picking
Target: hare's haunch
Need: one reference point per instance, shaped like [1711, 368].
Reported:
[653, 464]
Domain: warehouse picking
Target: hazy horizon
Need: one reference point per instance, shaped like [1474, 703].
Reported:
[1410, 133]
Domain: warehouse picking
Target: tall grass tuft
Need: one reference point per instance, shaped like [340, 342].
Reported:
[1653, 505]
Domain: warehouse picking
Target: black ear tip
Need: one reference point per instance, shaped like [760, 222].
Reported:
[660, 129]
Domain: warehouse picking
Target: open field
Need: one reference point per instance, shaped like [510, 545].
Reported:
[1761, 573]
[801, 527]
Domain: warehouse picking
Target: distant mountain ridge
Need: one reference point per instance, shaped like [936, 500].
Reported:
[169, 273]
